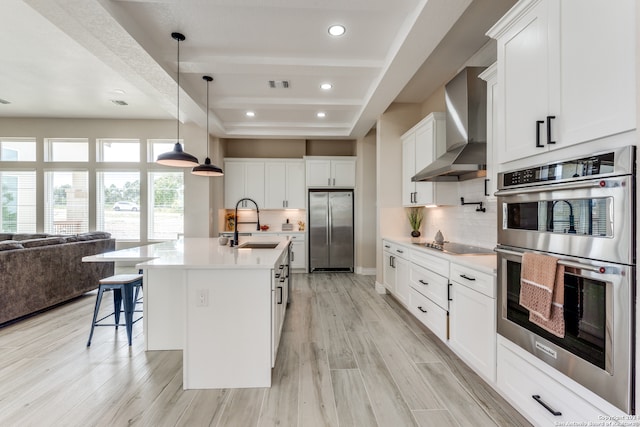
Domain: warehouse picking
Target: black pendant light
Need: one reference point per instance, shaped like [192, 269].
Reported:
[177, 157]
[207, 169]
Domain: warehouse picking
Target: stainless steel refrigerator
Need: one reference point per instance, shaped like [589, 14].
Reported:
[330, 230]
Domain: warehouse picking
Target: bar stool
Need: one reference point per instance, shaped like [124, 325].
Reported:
[123, 286]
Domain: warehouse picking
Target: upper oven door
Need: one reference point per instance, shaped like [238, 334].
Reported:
[589, 219]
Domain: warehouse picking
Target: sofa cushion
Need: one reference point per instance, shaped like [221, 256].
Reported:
[34, 243]
[29, 236]
[93, 235]
[7, 245]
[6, 236]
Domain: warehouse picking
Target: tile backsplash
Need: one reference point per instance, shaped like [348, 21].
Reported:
[462, 224]
[273, 218]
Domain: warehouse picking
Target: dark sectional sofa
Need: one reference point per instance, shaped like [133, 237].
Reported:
[39, 271]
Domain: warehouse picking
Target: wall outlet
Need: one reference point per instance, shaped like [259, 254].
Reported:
[202, 298]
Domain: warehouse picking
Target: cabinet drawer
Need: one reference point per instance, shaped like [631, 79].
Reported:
[476, 280]
[293, 237]
[430, 284]
[519, 381]
[394, 249]
[433, 263]
[432, 316]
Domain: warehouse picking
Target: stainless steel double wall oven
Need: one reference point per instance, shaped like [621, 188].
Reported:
[581, 211]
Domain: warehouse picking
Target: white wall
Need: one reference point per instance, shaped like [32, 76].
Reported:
[366, 206]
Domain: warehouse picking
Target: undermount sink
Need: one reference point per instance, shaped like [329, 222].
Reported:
[258, 245]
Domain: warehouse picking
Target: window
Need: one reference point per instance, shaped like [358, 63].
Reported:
[17, 149]
[118, 204]
[118, 150]
[67, 150]
[66, 207]
[166, 205]
[18, 202]
[159, 146]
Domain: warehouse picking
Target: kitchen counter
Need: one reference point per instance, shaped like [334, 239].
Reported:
[215, 303]
[484, 263]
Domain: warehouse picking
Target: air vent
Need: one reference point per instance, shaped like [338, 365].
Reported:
[279, 84]
[4, 101]
[119, 102]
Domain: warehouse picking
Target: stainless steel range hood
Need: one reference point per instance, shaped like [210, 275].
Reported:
[466, 124]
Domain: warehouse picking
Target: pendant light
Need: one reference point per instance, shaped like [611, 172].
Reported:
[207, 169]
[177, 157]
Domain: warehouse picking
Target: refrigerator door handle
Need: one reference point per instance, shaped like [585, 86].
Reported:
[329, 220]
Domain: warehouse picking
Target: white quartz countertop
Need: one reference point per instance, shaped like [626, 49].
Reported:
[484, 263]
[195, 252]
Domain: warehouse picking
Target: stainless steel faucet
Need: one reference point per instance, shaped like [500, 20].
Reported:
[235, 228]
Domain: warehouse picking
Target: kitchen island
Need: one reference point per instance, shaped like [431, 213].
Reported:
[223, 306]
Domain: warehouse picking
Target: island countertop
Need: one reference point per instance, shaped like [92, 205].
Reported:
[198, 252]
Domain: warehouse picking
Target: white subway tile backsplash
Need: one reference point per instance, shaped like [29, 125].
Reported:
[462, 224]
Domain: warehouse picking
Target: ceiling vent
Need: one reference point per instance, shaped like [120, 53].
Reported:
[279, 84]
[119, 102]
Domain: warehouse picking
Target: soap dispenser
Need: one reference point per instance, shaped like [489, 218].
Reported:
[439, 239]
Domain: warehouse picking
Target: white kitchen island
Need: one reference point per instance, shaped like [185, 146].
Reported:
[222, 306]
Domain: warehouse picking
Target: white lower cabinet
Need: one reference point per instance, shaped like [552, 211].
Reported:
[472, 317]
[396, 270]
[279, 298]
[430, 314]
[298, 252]
[541, 397]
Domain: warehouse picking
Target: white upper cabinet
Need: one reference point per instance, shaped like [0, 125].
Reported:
[566, 74]
[490, 75]
[331, 172]
[284, 184]
[243, 179]
[421, 145]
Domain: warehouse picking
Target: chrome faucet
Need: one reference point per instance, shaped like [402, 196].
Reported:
[235, 228]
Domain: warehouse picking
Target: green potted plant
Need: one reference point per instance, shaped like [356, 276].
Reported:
[415, 216]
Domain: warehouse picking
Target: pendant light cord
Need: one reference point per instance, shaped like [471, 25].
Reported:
[207, 80]
[178, 94]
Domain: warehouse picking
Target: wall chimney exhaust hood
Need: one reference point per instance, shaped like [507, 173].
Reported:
[466, 124]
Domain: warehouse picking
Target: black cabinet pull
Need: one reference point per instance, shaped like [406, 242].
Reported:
[549, 118]
[399, 251]
[538, 123]
[422, 309]
[468, 278]
[387, 246]
[423, 282]
[449, 285]
[486, 192]
[538, 399]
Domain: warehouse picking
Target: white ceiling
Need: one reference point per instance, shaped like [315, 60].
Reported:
[71, 58]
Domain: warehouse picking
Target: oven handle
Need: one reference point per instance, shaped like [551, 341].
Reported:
[571, 264]
[575, 185]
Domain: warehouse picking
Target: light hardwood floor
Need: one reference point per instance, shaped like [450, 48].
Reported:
[348, 357]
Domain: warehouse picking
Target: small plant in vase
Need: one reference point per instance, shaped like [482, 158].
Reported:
[415, 216]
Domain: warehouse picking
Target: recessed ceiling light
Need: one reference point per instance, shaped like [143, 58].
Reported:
[4, 101]
[321, 114]
[119, 102]
[250, 114]
[336, 30]
[326, 86]
[119, 91]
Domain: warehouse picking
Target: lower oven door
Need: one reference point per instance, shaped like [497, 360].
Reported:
[597, 349]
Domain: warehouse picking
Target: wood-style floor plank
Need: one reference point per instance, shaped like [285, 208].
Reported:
[389, 364]
[352, 403]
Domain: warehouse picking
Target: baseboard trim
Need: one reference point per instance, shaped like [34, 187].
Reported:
[366, 271]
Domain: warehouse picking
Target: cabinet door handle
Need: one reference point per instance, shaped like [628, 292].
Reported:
[538, 399]
[329, 181]
[334, 181]
[415, 197]
[293, 256]
[449, 285]
[387, 246]
[464, 276]
[399, 251]
[486, 181]
[422, 309]
[393, 262]
[280, 288]
[423, 282]
[538, 123]
[549, 118]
